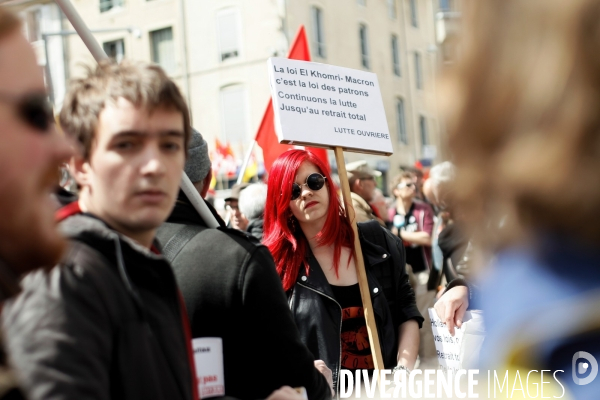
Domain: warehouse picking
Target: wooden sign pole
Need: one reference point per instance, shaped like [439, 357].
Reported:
[359, 262]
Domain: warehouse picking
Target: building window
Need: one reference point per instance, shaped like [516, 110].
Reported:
[395, 56]
[364, 46]
[163, 49]
[423, 130]
[418, 71]
[318, 32]
[392, 8]
[445, 5]
[228, 26]
[115, 49]
[233, 114]
[414, 20]
[33, 22]
[106, 5]
[401, 122]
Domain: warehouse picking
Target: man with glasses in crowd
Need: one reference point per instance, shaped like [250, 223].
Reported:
[361, 179]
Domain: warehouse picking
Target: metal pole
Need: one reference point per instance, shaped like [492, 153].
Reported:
[245, 164]
[99, 54]
[84, 32]
[199, 204]
[47, 69]
[108, 30]
[184, 55]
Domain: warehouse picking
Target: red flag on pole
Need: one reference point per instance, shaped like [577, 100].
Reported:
[266, 136]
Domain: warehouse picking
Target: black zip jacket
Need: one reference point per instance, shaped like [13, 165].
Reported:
[232, 291]
[104, 324]
[319, 316]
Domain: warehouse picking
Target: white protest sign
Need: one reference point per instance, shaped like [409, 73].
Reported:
[327, 106]
[460, 351]
[208, 358]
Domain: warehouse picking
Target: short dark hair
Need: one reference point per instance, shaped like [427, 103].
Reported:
[141, 83]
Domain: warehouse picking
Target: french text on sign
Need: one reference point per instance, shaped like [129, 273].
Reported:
[328, 106]
[208, 359]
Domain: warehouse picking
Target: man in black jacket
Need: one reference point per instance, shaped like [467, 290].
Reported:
[232, 291]
[108, 321]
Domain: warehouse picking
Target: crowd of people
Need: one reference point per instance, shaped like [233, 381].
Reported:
[106, 281]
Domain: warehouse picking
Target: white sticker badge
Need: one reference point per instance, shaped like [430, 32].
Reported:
[208, 358]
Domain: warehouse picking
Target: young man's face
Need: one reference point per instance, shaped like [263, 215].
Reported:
[132, 177]
[405, 189]
[30, 156]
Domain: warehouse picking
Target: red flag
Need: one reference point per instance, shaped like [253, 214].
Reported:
[266, 136]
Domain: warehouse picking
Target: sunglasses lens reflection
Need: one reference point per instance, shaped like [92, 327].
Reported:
[36, 111]
[315, 181]
[295, 191]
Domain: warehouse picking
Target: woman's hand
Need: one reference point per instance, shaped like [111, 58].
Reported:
[320, 365]
[452, 305]
[285, 393]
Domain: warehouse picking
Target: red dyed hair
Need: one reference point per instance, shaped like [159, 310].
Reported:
[289, 247]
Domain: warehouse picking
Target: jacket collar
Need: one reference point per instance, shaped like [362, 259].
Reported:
[88, 228]
[316, 280]
[362, 202]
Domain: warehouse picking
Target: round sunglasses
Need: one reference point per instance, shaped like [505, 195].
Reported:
[314, 182]
[32, 108]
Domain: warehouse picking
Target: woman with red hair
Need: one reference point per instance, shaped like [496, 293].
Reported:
[313, 246]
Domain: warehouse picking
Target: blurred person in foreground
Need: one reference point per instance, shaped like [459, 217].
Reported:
[361, 179]
[522, 108]
[108, 321]
[31, 152]
[312, 243]
[232, 291]
[252, 205]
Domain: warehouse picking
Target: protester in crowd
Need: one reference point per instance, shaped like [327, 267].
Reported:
[361, 179]
[197, 167]
[418, 179]
[252, 205]
[108, 321]
[380, 205]
[524, 133]
[412, 221]
[449, 240]
[232, 291]
[234, 217]
[313, 245]
[31, 152]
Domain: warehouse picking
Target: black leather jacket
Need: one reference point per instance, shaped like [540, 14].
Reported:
[319, 316]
